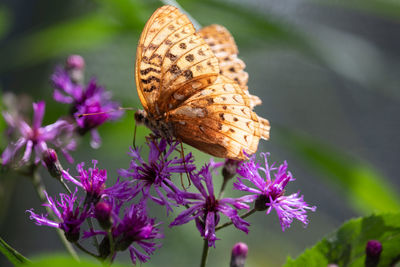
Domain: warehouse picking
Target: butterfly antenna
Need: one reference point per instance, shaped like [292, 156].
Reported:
[104, 112]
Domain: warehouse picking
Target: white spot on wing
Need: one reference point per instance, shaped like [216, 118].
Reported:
[196, 85]
[191, 112]
[179, 96]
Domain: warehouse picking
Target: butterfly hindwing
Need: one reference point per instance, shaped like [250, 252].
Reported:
[219, 121]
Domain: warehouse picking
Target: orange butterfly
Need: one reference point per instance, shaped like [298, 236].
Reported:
[193, 87]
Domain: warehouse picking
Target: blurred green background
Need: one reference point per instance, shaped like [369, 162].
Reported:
[328, 75]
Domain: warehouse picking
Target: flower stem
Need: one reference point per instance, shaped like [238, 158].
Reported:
[111, 240]
[65, 186]
[40, 188]
[205, 254]
[247, 214]
[221, 191]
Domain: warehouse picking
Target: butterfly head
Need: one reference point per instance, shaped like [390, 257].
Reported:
[141, 117]
[159, 126]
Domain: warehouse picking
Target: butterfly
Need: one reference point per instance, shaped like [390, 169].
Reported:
[193, 88]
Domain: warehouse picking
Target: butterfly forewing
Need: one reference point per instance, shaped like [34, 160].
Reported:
[219, 120]
[172, 61]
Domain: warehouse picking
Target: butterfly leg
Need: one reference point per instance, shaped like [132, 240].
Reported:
[184, 165]
[134, 136]
[153, 137]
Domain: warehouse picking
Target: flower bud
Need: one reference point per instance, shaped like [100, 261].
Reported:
[239, 255]
[54, 167]
[75, 66]
[75, 62]
[229, 169]
[102, 212]
[373, 252]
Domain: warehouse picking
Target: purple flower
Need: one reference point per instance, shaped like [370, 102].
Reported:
[70, 218]
[92, 100]
[157, 171]
[135, 229]
[269, 194]
[93, 182]
[36, 138]
[205, 208]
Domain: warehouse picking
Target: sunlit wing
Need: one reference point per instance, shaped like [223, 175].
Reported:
[172, 61]
[224, 47]
[219, 120]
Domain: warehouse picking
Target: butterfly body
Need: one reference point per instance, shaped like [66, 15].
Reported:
[194, 89]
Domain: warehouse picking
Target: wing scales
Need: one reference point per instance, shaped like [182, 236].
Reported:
[172, 62]
[219, 120]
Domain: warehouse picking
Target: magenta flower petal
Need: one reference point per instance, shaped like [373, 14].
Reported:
[37, 138]
[38, 111]
[269, 193]
[70, 217]
[92, 99]
[157, 171]
[205, 209]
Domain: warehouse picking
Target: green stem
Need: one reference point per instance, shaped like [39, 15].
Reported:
[40, 188]
[221, 191]
[204, 254]
[111, 240]
[247, 214]
[65, 186]
[12, 255]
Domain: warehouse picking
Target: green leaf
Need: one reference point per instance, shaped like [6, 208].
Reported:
[11, 254]
[64, 261]
[346, 247]
[366, 189]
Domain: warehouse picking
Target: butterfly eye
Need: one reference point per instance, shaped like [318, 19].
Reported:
[140, 117]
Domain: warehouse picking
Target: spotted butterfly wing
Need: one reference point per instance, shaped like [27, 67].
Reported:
[219, 121]
[224, 47]
[172, 61]
[185, 97]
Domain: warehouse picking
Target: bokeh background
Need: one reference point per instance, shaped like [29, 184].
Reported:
[327, 72]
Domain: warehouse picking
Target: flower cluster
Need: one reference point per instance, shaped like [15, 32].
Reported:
[36, 138]
[91, 100]
[205, 208]
[30, 141]
[269, 193]
[135, 228]
[70, 218]
[152, 179]
[156, 173]
[121, 210]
